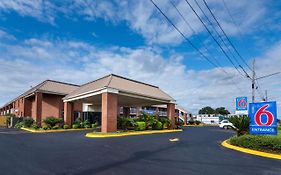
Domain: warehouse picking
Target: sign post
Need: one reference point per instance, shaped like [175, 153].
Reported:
[263, 118]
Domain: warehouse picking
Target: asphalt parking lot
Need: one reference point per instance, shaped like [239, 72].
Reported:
[197, 152]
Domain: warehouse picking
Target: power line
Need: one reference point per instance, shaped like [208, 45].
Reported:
[243, 60]
[168, 19]
[213, 37]
[218, 34]
[196, 34]
[178, 30]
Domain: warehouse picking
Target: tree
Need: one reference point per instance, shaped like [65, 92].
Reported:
[222, 111]
[207, 110]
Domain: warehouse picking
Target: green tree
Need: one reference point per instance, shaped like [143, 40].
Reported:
[222, 111]
[207, 110]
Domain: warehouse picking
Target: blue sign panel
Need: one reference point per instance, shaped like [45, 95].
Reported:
[241, 104]
[263, 118]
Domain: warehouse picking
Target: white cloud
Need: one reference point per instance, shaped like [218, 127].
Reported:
[142, 17]
[78, 62]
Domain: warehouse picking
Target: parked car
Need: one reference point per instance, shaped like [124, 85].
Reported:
[225, 124]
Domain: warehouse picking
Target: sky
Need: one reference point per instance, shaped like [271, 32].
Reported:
[77, 41]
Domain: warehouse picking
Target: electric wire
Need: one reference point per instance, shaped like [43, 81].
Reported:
[178, 30]
[213, 37]
[226, 36]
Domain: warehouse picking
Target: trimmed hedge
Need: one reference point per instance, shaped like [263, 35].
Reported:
[257, 142]
[140, 126]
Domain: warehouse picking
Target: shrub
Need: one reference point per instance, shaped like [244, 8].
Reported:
[257, 142]
[241, 124]
[157, 126]
[140, 126]
[125, 123]
[191, 122]
[27, 122]
[35, 126]
[46, 127]
[165, 122]
[52, 121]
[75, 126]
[95, 125]
[87, 126]
[197, 122]
[19, 125]
[179, 123]
[65, 127]
[77, 122]
[148, 119]
[55, 127]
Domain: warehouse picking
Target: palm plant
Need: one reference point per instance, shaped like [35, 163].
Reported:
[241, 124]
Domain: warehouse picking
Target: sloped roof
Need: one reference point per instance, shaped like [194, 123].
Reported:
[121, 84]
[49, 86]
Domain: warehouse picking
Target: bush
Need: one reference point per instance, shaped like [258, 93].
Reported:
[52, 121]
[77, 122]
[95, 125]
[65, 127]
[35, 126]
[55, 127]
[179, 123]
[157, 126]
[125, 123]
[46, 127]
[197, 122]
[27, 122]
[165, 122]
[257, 142]
[87, 126]
[191, 122]
[241, 124]
[75, 126]
[19, 125]
[140, 126]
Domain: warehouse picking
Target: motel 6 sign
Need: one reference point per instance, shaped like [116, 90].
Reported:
[241, 103]
[263, 118]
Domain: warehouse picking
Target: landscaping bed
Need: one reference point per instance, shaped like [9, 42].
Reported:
[52, 124]
[266, 143]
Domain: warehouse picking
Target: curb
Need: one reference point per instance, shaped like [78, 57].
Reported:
[250, 151]
[200, 125]
[96, 135]
[57, 130]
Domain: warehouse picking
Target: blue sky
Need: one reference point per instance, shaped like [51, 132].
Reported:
[77, 41]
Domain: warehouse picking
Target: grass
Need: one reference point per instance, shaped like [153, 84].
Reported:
[266, 143]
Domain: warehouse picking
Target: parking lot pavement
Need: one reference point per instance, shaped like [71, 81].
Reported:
[197, 151]
[11, 131]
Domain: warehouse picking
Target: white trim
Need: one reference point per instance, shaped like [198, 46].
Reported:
[143, 97]
[91, 93]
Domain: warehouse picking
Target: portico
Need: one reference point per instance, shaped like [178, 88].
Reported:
[111, 92]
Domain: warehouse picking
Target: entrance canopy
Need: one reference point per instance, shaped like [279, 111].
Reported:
[113, 91]
[130, 92]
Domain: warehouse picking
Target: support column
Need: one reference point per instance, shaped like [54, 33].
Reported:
[171, 114]
[138, 111]
[68, 113]
[109, 112]
[38, 107]
[185, 118]
[126, 111]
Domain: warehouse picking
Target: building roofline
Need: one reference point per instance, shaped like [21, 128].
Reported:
[33, 89]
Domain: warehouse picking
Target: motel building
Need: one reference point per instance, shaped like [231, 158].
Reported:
[101, 100]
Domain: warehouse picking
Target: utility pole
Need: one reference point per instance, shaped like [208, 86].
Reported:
[254, 79]
[253, 82]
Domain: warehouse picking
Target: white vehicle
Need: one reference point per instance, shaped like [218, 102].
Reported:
[225, 124]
